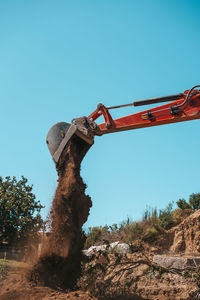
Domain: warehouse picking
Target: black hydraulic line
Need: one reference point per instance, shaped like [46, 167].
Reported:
[158, 99]
[150, 101]
[119, 106]
[182, 106]
[188, 97]
[174, 97]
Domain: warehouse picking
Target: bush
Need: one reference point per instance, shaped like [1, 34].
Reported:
[150, 234]
[166, 217]
[182, 204]
[194, 201]
[94, 234]
[180, 214]
[132, 231]
[151, 219]
[154, 223]
[151, 224]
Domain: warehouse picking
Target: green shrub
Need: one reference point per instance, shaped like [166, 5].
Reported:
[194, 201]
[94, 234]
[166, 217]
[150, 214]
[182, 204]
[150, 234]
[154, 222]
[132, 231]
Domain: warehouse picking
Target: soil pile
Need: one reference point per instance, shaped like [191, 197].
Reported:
[112, 276]
[136, 276]
[185, 237]
[59, 264]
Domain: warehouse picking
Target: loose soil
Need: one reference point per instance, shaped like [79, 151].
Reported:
[17, 287]
[59, 264]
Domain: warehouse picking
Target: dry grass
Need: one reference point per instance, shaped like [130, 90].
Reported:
[7, 266]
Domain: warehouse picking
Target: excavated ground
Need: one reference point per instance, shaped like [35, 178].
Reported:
[111, 277]
[56, 274]
[17, 287]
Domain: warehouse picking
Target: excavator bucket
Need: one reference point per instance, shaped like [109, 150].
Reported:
[59, 136]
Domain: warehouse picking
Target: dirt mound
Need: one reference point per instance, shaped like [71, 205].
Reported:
[185, 237]
[59, 264]
[113, 276]
[135, 276]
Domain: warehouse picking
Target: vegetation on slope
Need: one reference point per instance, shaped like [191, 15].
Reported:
[154, 222]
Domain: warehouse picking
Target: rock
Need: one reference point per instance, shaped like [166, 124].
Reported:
[121, 247]
[180, 263]
[116, 246]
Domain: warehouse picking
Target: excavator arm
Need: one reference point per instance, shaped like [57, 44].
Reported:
[180, 107]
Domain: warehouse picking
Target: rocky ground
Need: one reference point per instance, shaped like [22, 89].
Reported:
[169, 269]
[139, 276]
[111, 276]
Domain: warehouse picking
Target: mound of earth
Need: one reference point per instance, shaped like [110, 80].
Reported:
[136, 276]
[125, 276]
[185, 237]
[110, 277]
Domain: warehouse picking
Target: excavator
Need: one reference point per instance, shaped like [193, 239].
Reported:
[180, 107]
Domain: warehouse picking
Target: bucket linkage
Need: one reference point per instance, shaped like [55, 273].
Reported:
[81, 132]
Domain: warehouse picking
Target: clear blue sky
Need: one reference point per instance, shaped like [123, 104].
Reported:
[59, 59]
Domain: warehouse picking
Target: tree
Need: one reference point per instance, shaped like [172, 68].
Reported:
[182, 204]
[19, 211]
[194, 201]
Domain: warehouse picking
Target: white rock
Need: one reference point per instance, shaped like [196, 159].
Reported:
[119, 247]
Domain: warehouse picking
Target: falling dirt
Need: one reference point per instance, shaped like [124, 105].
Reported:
[59, 264]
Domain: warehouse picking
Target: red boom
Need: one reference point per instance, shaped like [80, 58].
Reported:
[185, 109]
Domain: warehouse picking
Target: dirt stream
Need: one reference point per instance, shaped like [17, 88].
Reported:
[59, 264]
